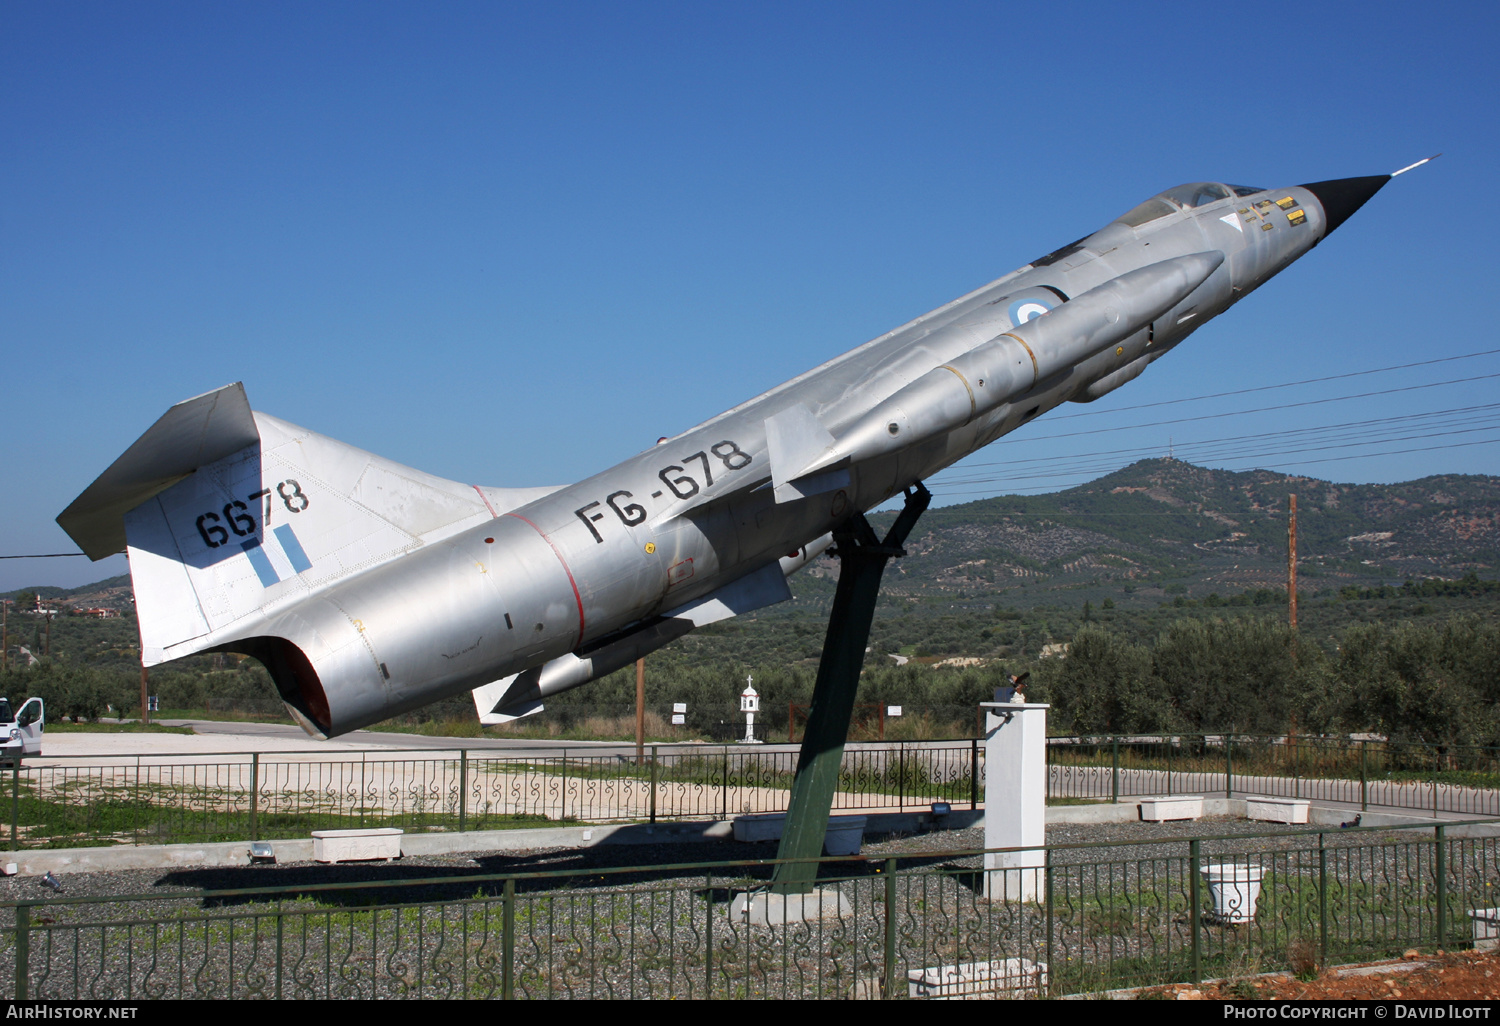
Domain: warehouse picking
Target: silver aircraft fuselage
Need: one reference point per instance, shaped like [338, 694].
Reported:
[558, 590]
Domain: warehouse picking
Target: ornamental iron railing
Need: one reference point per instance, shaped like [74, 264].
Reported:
[65, 802]
[1099, 917]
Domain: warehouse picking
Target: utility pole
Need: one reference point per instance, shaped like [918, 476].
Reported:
[1291, 563]
[4, 634]
[640, 710]
[47, 648]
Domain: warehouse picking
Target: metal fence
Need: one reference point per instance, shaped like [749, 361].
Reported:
[1402, 775]
[200, 798]
[910, 926]
[161, 799]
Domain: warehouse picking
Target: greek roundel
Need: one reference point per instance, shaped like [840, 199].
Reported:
[1023, 310]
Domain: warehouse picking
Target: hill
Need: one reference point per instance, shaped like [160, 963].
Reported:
[1149, 532]
[1162, 527]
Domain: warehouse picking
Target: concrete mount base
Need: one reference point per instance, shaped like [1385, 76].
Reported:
[764, 908]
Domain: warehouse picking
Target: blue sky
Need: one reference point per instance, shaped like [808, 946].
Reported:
[514, 243]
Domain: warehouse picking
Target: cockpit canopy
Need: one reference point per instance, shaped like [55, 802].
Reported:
[1183, 197]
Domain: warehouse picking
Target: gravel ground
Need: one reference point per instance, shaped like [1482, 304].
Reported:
[1119, 911]
[911, 849]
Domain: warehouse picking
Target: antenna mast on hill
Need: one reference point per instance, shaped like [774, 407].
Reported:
[1291, 562]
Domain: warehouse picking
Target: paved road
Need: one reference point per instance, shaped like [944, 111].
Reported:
[285, 736]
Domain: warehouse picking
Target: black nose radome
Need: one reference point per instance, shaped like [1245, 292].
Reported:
[1341, 197]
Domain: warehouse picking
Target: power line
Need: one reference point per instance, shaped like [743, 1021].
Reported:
[1103, 463]
[939, 486]
[1333, 436]
[1376, 426]
[44, 555]
[1268, 388]
[1240, 413]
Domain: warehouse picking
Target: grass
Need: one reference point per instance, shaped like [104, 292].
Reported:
[103, 727]
[103, 815]
[1391, 916]
[223, 715]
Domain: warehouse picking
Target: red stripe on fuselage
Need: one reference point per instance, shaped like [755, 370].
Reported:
[556, 552]
[487, 505]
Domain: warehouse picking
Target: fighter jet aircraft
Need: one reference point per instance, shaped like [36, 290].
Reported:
[368, 588]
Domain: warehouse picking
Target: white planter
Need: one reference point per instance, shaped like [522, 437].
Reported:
[1486, 928]
[1176, 806]
[1234, 888]
[1276, 810]
[844, 837]
[1002, 978]
[356, 845]
[761, 826]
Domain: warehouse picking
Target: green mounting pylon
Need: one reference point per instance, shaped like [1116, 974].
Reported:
[862, 562]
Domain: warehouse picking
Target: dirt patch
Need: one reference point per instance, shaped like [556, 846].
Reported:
[1472, 975]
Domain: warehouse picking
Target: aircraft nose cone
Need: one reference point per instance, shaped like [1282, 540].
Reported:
[1341, 197]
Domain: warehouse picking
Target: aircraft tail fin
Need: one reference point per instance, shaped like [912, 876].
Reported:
[226, 514]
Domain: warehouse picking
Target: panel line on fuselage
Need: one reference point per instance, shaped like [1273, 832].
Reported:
[578, 598]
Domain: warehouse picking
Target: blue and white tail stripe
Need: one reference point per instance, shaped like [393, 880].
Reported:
[260, 562]
[293, 548]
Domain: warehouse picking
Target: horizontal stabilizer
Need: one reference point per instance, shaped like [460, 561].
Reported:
[492, 697]
[192, 433]
[797, 441]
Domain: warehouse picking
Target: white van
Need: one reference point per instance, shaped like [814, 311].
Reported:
[21, 732]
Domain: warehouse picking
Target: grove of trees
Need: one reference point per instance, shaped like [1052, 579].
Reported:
[1421, 676]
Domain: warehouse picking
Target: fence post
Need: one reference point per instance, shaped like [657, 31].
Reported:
[1296, 767]
[888, 983]
[508, 940]
[463, 789]
[562, 790]
[1364, 784]
[279, 931]
[901, 777]
[725, 789]
[15, 801]
[1195, 911]
[1228, 766]
[973, 774]
[135, 813]
[708, 936]
[23, 950]
[254, 795]
[1114, 761]
[653, 784]
[1440, 866]
[1051, 961]
[1322, 903]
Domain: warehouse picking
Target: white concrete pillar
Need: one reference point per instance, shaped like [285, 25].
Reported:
[1015, 799]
